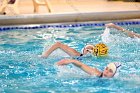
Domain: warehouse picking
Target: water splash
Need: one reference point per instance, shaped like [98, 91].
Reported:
[106, 36]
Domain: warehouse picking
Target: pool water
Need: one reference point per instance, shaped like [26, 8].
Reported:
[23, 71]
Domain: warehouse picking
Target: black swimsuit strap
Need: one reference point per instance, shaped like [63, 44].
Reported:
[81, 55]
[101, 75]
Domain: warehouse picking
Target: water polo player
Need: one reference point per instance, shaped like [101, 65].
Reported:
[109, 71]
[97, 50]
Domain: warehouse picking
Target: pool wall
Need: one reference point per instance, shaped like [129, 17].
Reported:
[65, 25]
[68, 17]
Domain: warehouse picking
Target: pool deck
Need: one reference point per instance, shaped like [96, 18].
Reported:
[74, 6]
[73, 11]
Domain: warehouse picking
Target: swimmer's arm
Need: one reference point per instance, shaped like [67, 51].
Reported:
[87, 69]
[129, 33]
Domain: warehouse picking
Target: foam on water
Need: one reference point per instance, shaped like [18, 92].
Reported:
[106, 35]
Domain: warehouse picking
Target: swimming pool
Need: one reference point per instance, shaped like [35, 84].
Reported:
[22, 71]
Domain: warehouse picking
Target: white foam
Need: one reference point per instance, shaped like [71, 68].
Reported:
[106, 35]
[70, 72]
[59, 52]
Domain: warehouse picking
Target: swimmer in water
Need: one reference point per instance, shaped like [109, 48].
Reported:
[129, 33]
[97, 50]
[109, 71]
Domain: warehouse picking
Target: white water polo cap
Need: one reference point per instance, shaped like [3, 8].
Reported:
[114, 66]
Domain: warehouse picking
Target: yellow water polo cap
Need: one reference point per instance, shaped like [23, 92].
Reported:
[100, 50]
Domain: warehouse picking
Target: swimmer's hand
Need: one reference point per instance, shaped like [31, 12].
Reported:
[110, 25]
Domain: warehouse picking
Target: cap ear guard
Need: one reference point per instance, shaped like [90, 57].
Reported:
[100, 50]
[86, 49]
[117, 64]
[114, 66]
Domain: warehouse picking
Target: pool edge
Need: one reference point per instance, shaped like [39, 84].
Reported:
[68, 17]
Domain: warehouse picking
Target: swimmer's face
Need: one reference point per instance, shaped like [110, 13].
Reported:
[108, 72]
[88, 49]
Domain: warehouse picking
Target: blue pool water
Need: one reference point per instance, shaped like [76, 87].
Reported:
[22, 71]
